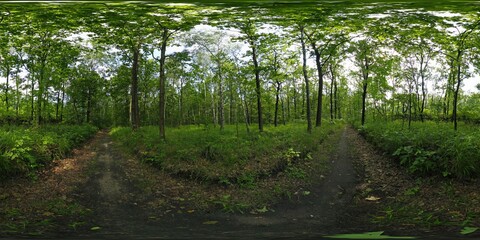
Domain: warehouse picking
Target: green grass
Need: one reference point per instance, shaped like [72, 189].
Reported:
[225, 157]
[23, 150]
[429, 148]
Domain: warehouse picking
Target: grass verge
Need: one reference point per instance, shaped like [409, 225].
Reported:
[235, 172]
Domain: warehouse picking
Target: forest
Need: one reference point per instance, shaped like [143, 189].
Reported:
[243, 96]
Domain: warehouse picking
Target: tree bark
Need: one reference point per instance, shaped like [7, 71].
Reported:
[134, 111]
[305, 76]
[221, 112]
[365, 87]
[7, 72]
[457, 89]
[277, 98]
[318, 122]
[257, 86]
[331, 93]
[161, 85]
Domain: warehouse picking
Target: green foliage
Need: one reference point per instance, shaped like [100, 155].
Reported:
[468, 230]
[416, 159]
[225, 157]
[23, 150]
[229, 206]
[429, 148]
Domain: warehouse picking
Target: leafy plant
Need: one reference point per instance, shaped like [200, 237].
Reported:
[23, 150]
[429, 147]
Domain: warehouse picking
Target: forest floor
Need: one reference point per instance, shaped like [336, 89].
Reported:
[99, 192]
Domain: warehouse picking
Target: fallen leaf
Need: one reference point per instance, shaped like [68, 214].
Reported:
[372, 198]
[95, 228]
[468, 230]
[210, 222]
[191, 211]
[262, 210]
[48, 214]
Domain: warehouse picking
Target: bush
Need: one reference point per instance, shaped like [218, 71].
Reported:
[429, 148]
[23, 150]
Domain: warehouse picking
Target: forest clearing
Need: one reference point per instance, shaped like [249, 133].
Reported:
[313, 119]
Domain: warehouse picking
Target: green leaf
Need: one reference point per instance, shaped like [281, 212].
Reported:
[210, 222]
[95, 228]
[367, 235]
[262, 210]
[468, 230]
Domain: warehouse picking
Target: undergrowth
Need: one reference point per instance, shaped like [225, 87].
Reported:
[429, 148]
[23, 150]
[225, 157]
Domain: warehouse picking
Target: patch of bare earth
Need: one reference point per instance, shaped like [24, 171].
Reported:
[392, 200]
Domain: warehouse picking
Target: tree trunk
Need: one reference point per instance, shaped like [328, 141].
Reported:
[32, 99]
[295, 100]
[135, 119]
[277, 98]
[305, 76]
[410, 90]
[318, 122]
[161, 85]
[7, 86]
[232, 112]
[57, 106]
[63, 99]
[335, 100]
[89, 106]
[331, 93]
[365, 74]
[221, 113]
[457, 89]
[364, 98]
[17, 94]
[41, 88]
[257, 86]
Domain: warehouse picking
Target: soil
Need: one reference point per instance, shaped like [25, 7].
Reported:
[116, 197]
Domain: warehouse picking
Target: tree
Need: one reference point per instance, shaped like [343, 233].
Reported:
[249, 29]
[305, 76]
[325, 37]
[462, 43]
[169, 21]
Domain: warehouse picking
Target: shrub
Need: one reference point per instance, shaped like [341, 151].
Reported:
[429, 148]
[23, 150]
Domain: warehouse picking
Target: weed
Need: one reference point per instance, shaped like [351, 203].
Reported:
[23, 150]
[246, 180]
[226, 158]
[230, 206]
[296, 172]
[412, 191]
[429, 148]
[75, 225]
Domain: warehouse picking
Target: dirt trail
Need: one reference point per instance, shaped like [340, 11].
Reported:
[319, 212]
[117, 202]
[110, 193]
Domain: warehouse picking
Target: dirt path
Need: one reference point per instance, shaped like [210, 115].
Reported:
[120, 206]
[118, 197]
[318, 213]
